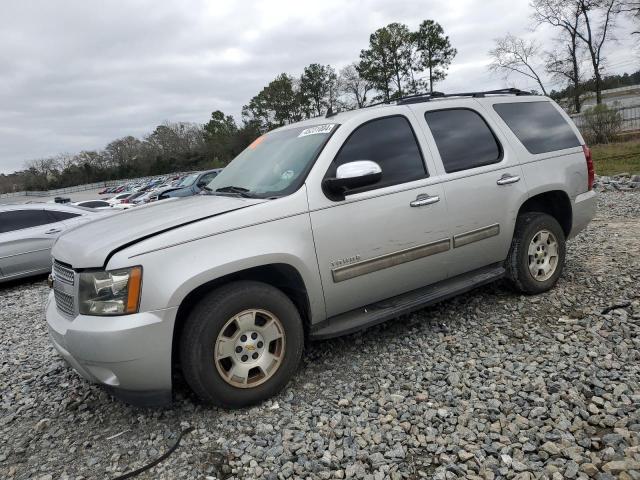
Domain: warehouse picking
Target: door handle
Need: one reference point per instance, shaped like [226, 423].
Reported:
[424, 199]
[52, 231]
[507, 178]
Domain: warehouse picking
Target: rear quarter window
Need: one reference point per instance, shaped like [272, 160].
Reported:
[538, 126]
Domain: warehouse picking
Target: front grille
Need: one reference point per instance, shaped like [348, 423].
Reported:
[63, 288]
[64, 302]
[63, 273]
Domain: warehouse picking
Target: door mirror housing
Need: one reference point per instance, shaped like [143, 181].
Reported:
[349, 176]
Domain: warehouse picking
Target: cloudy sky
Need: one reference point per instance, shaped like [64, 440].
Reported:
[75, 74]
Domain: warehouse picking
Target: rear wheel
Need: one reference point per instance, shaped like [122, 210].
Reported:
[537, 254]
[241, 344]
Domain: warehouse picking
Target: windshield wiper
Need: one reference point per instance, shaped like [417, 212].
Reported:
[243, 192]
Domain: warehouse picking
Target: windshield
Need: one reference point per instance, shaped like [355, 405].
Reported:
[274, 164]
[188, 180]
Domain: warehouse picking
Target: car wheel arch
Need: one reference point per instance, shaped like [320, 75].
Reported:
[283, 276]
[552, 202]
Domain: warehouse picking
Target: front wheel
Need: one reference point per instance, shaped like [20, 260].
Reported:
[537, 254]
[241, 344]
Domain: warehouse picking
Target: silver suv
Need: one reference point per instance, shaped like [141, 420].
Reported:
[318, 229]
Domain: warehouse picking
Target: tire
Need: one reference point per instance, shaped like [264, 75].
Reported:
[210, 331]
[520, 264]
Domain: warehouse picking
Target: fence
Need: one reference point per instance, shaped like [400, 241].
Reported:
[63, 191]
[81, 188]
[630, 117]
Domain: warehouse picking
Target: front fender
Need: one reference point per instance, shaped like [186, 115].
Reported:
[170, 273]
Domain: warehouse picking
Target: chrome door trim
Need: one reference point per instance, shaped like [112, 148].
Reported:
[25, 253]
[476, 235]
[388, 260]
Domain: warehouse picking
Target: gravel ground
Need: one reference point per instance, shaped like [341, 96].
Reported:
[488, 385]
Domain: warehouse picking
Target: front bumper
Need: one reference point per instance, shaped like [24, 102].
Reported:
[584, 209]
[129, 354]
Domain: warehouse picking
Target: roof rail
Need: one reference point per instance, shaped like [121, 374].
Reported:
[426, 97]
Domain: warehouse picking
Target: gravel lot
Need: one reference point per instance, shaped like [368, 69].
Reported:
[488, 385]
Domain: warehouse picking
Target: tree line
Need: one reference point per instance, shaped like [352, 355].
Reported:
[397, 62]
[577, 59]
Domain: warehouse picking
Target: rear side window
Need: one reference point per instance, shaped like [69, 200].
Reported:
[391, 143]
[58, 216]
[21, 219]
[538, 125]
[463, 138]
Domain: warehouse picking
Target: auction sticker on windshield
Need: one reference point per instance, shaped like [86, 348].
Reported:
[326, 128]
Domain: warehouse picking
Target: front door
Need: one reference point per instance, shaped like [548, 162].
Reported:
[387, 238]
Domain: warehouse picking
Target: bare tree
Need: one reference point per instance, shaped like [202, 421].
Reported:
[516, 55]
[353, 87]
[565, 63]
[590, 21]
[43, 166]
[632, 7]
[596, 32]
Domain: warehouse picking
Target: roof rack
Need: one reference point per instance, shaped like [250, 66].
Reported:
[426, 97]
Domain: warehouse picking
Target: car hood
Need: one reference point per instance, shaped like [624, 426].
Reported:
[91, 244]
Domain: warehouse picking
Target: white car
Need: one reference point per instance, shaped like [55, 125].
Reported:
[119, 197]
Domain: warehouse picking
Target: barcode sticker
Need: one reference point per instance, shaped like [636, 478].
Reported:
[326, 128]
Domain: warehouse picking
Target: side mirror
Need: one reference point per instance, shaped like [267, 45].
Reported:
[352, 175]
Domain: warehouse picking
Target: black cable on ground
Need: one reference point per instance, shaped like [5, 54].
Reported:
[614, 307]
[158, 460]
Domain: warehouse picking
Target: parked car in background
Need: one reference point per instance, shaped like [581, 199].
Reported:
[191, 185]
[158, 194]
[118, 198]
[142, 199]
[93, 204]
[131, 197]
[27, 233]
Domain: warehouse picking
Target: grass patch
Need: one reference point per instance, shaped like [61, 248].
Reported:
[613, 158]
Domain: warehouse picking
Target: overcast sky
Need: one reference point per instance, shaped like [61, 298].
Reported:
[75, 74]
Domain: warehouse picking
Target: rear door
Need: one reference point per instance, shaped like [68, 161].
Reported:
[26, 238]
[482, 181]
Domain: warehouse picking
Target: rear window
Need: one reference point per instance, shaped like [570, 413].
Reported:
[538, 125]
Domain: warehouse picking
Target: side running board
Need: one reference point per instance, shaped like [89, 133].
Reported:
[393, 307]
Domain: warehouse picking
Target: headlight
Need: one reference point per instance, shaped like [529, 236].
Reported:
[114, 292]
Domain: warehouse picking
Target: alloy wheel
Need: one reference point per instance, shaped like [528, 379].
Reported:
[250, 348]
